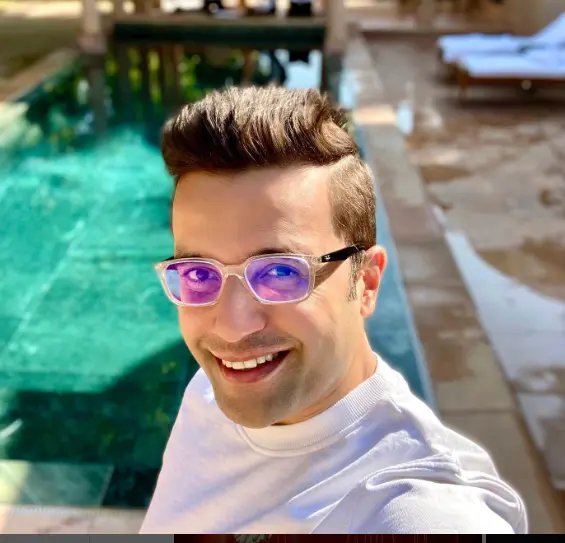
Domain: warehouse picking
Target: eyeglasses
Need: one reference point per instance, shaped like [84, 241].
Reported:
[271, 279]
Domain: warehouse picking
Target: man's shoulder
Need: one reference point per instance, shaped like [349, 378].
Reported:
[416, 504]
[434, 479]
[409, 416]
[429, 494]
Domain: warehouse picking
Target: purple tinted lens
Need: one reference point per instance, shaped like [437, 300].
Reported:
[279, 279]
[194, 283]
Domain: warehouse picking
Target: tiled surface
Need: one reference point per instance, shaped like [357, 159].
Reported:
[55, 484]
[505, 438]
[463, 366]
[472, 380]
[391, 330]
[125, 523]
[493, 176]
[132, 486]
[391, 16]
[43, 522]
[62, 520]
[430, 263]
[25, 40]
[34, 74]
[545, 415]
[77, 385]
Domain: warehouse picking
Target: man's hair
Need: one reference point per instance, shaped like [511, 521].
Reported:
[238, 129]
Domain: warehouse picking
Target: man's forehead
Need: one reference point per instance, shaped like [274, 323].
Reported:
[300, 195]
[184, 251]
[294, 181]
[251, 214]
[233, 242]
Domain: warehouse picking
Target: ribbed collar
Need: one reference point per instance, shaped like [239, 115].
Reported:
[328, 426]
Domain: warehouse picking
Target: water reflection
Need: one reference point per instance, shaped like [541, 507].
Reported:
[147, 82]
[405, 111]
[510, 312]
[527, 331]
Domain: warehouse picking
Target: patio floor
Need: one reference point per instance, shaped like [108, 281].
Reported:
[494, 178]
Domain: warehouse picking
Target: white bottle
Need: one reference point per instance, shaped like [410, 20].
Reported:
[405, 111]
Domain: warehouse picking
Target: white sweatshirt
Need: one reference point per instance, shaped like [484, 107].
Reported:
[378, 461]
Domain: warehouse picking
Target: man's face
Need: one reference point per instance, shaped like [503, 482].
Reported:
[229, 218]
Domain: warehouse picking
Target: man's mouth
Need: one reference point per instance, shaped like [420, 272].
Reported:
[253, 369]
[254, 362]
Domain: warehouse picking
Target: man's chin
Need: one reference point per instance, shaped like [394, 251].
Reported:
[248, 417]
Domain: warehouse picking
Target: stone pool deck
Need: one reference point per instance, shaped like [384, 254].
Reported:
[68, 520]
[476, 199]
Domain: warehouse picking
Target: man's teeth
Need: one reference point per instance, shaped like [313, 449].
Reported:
[249, 364]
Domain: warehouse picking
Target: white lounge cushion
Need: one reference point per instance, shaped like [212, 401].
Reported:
[464, 40]
[534, 65]
[454, 46]
[506, 45]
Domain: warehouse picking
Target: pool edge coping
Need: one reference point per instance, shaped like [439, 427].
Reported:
[40, 73]
[359, 68]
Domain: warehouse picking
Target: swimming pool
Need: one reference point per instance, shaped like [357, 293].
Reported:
[92, 366]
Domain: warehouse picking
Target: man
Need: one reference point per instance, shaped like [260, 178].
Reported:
[293, 424]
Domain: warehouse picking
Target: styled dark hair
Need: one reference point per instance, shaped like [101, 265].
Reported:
[237, 129]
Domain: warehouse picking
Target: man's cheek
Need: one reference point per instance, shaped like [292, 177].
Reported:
[189, 326]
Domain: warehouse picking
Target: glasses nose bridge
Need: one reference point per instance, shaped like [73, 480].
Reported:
[236, 270]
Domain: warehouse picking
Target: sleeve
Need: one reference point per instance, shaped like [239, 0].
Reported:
[422, 506]
[425, 507]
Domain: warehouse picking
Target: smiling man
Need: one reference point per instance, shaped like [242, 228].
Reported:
[293, 424]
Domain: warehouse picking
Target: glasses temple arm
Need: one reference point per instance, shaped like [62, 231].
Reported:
[342, 254]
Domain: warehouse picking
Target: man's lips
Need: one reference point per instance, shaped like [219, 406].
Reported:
[250, 355]
[253, 373]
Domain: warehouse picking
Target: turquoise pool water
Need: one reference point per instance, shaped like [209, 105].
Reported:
[92, 366]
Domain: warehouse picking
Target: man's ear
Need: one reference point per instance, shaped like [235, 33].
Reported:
[370, 275]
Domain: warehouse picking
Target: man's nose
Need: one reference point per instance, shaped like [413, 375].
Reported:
[238, 313]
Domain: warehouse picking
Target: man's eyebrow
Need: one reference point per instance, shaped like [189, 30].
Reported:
[288, 249]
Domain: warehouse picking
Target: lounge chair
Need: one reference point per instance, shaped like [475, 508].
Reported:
[452, 47]
[534, 68]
